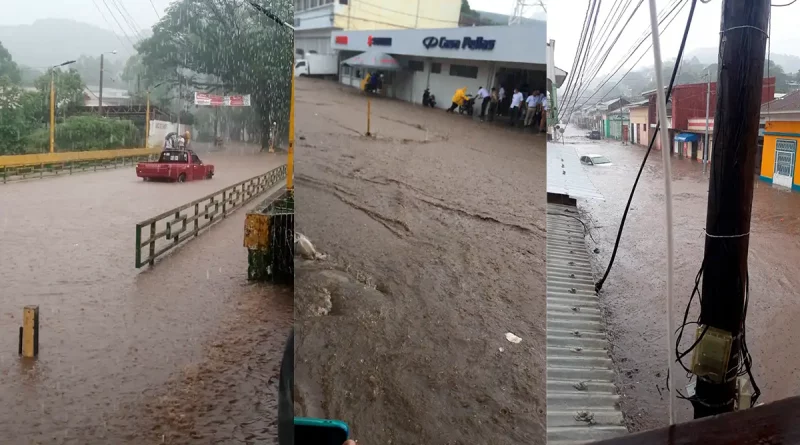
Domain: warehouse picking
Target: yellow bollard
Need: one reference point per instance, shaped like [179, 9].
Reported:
[369, 111]
[29, 332]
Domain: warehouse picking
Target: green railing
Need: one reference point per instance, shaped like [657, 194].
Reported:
[38, 171]
[170, 229]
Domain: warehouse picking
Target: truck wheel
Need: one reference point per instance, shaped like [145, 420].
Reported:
[182, 177]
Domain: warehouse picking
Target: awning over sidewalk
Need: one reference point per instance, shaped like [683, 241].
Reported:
[375, 60]
[686, 137]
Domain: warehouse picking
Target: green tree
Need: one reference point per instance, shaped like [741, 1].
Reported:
[8, 67]
[69, 90]
[15, 121]
[225, 47]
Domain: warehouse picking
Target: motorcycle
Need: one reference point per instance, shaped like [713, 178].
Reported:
[428, 99]
[468, 106]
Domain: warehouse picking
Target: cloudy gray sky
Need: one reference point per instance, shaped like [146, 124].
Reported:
[143, 12]
[565, 19]
[16, 12]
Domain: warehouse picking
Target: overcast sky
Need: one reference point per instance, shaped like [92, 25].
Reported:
[17, 12]
[565, 18]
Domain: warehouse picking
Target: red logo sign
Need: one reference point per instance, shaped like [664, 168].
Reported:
[341, 40]
[369, 41]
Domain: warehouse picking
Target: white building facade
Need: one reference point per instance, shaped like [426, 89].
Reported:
[446, 59]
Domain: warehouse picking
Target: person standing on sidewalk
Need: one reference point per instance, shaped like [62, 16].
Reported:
[484, 95]
[545, 106]
[532, 102]
[493, 104]
[502, 100]
[516, 102]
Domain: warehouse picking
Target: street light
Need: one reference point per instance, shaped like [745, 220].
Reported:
[100, 107]
[290, 154]
[147, 115]
[53, 103]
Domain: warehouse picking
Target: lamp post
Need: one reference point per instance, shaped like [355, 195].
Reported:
[100, 106]
[53, 103]
[147, 115]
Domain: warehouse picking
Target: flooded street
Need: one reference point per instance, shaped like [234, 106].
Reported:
[635, 290]
[435, 236]
[180, 353]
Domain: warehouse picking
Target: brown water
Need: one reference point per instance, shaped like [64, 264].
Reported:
[635, 290]
[435, 235]
[112, 337]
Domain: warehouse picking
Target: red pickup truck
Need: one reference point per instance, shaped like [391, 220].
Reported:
[175, 165]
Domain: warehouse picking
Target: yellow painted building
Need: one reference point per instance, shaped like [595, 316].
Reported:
[315, 20]
[779, 160]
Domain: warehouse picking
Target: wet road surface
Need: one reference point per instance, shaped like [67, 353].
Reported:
[129, 356]
[435, 236]
[635, 290]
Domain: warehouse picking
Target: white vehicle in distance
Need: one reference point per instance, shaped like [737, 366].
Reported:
[598, 160]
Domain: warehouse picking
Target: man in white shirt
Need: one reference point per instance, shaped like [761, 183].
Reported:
[484, 95]
[502, 96]
[532, 102]
[516, 102]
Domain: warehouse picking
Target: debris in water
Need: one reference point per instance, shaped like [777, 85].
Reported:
[512, 338]
[303, 246]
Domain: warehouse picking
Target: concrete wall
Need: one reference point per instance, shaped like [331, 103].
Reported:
[391, 14]
[639, 116]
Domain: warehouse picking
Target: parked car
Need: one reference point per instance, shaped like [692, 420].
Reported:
[175, 165]
[598, 160]
[594, 134]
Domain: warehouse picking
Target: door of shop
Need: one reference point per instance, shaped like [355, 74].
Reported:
[785, 155]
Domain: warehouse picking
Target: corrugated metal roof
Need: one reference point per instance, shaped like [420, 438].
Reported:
[565, 175]
[582, 399]
[789, 102]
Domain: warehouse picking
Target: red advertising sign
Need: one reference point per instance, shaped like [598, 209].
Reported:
[203, 99]
[237, 101]
[208, 99]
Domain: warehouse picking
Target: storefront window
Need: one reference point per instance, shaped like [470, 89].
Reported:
[416, 65]
[467, 71]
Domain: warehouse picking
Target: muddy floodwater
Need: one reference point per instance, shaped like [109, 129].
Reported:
[635, 290]
[184, 352]
[435, 236]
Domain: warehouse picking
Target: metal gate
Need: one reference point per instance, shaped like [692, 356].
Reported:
[785, 155]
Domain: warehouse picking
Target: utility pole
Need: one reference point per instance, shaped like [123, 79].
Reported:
[743, 40]
[708, 105]
[100, 104]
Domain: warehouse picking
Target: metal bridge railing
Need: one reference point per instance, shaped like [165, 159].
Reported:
[158, 235]
[10, 173]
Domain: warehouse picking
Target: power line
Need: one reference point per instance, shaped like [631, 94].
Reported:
[155, 10]
[583, 50]
[599, 284]
[570, 79]
[680, 3]
[125, 19]
[631, 51]
[677, 62]
[111, 27]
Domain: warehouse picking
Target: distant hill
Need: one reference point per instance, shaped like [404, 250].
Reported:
[789, 63]
[52, 41]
